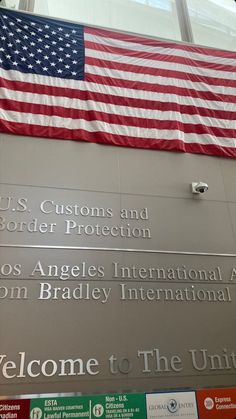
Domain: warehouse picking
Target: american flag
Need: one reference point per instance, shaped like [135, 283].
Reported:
[64, 80]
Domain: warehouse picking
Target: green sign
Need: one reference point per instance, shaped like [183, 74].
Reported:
[109, 406]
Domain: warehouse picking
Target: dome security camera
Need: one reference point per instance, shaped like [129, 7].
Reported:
[199, 187]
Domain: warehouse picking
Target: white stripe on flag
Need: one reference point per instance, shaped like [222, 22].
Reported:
[130, 131]
[151, 49]
[55, 101]
[164, 65]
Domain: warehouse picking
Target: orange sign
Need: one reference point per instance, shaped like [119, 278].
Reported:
[217, 403]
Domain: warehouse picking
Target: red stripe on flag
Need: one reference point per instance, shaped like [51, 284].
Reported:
[106, 138]
[146, 55]
[126, 37]
[93, 115]
[161, 72]
[158, 88]
[87, 95]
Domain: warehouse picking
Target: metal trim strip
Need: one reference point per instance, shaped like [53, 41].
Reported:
[115, 249]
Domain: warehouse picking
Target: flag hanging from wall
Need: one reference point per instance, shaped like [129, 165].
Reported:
[64, 80]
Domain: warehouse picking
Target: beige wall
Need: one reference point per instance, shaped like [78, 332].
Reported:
[117, 177]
